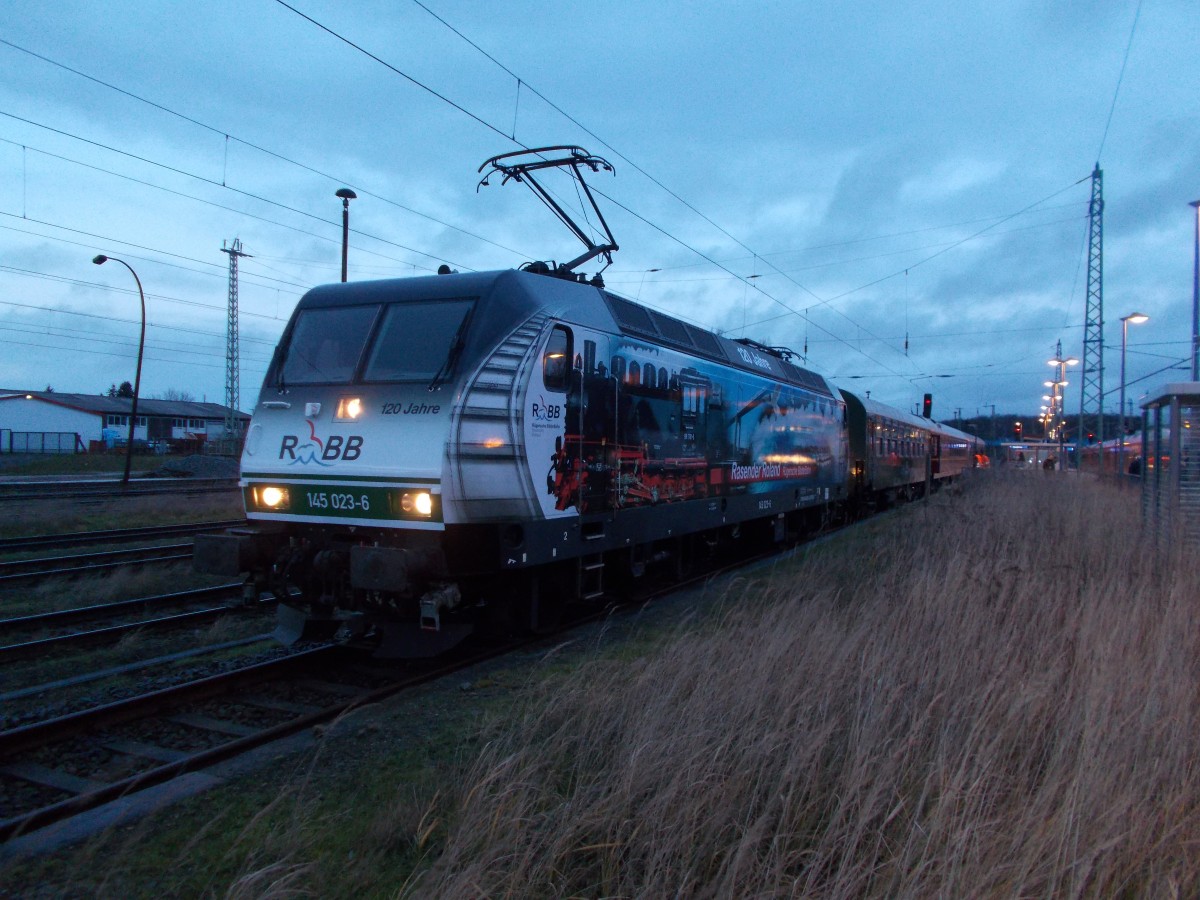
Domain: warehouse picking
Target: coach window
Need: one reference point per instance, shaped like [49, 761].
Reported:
[635, 372]
[555, 361]
[618, 368]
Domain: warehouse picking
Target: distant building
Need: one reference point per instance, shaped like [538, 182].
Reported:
[28, 419]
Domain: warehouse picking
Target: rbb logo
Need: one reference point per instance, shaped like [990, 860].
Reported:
[546, 412]
[334, 447]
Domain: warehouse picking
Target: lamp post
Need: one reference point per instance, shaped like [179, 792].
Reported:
[347, 195]
[1060, 385]
[1136, 319]
[137, 378]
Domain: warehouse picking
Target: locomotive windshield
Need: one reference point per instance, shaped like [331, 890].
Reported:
[326, 345]
[414, 342]
[418, 341]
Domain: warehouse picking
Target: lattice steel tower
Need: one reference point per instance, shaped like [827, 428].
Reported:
[1091, 394]
[232, 374]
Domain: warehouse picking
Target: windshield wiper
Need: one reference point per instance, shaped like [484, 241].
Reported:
[456, 347]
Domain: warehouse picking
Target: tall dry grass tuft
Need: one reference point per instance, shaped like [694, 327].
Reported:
[990, 694]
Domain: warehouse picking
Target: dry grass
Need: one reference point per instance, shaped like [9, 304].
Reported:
[998, 699]
[55, 593]
[993, 695]
[35, 517]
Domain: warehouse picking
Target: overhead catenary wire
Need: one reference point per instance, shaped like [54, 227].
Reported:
[790, 310]
[755, 255]
[424, 87]
[120, 290]
[171, 360]
[933, 256]
[111, 340]
[111, 240]
[123, 321]
[680, 199]
[595, 190]
[852, 241]
[833, 263]
[227, 137]
[516, 109]
[209, 181]
[1120, 77]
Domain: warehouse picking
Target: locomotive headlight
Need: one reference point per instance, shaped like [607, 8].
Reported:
[271, 497]
[349, 409]
[420, 503]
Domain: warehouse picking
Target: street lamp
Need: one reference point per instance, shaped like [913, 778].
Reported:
[137, 378]
[1060, 384]
[1135, 319]
[347, 195]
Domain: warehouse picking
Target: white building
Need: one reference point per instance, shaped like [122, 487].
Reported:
[50, 422]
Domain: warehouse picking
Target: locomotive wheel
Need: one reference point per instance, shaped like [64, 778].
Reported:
[534, 602]
[685, 557]
[550, 591]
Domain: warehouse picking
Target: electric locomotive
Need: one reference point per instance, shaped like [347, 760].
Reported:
[430, 451]
[431, 455]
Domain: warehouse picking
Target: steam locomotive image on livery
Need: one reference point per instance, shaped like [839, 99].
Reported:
[435, 455]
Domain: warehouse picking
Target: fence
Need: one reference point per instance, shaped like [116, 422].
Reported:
[40, 442]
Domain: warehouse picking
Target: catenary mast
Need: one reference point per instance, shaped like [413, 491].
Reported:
[232, 373]
[1091, 394]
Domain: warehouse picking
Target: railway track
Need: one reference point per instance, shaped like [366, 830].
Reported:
[107, 490]
[92, 563]
[19, 633]
[112, 536]
[60, 767]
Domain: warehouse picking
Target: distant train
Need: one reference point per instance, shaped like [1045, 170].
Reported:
[435, 455]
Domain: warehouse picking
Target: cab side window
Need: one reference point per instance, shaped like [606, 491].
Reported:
[556, 360]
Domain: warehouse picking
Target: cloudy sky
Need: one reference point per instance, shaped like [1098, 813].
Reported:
[898, 190]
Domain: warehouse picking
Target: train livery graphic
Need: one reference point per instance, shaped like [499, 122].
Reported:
[644, 425]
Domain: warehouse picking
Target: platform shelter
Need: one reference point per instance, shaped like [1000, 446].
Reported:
[1170, 463]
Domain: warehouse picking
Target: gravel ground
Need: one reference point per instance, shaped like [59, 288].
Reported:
[184, 466]
[199, 467]
[15, 460]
